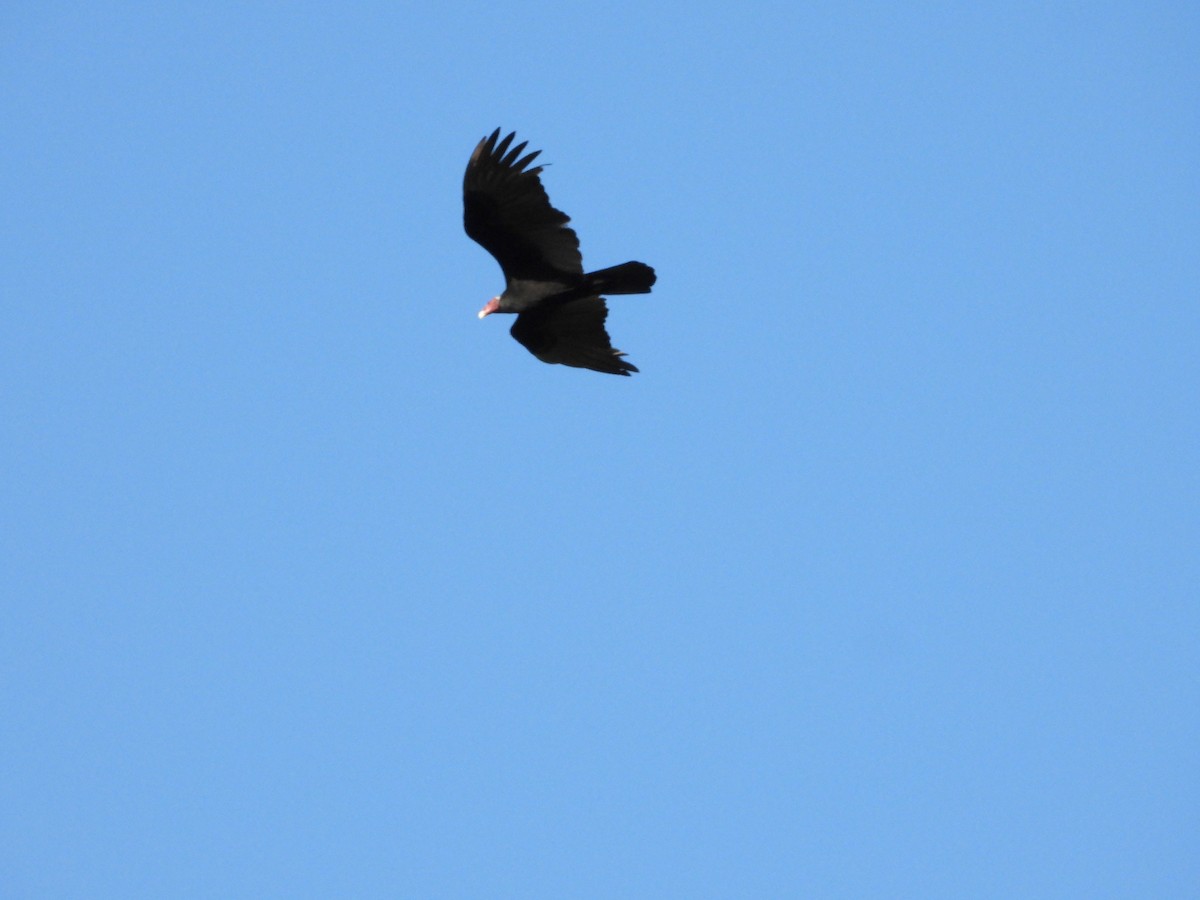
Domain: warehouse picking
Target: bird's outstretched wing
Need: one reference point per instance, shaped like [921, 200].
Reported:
[506, 210]
[572, 334]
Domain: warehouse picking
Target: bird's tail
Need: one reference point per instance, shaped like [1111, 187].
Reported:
[627, 278]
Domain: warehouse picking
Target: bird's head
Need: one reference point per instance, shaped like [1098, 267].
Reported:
[492, 306]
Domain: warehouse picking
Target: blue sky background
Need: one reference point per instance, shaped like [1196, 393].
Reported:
[881, 579]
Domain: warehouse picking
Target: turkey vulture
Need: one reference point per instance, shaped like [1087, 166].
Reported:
[560, 313]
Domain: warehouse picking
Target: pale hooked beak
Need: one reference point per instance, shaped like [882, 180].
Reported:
[492, 306]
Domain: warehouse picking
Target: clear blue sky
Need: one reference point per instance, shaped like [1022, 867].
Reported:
[882, 579]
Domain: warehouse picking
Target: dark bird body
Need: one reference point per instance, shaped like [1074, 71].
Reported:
[560, 311]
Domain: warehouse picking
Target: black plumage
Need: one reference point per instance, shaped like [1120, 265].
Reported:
[560, 311]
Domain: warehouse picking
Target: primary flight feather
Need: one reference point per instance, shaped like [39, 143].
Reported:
[559, 307]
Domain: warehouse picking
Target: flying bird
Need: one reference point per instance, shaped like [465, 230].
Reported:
[560, 311]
